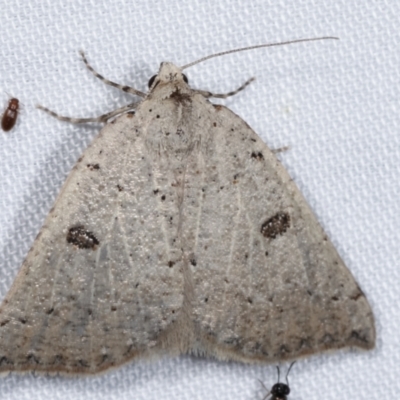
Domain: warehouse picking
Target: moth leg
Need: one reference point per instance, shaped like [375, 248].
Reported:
[280, 149]
[225, 95]
[101, 118]
[126, 89]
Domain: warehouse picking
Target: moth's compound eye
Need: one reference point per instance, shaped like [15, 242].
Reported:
[185, 78]
[151, 80]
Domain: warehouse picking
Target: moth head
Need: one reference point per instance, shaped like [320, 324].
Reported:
[168, 74]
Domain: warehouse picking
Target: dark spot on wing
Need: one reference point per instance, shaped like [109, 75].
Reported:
[82, 238]
[83, 363]
[32, 359]
[327, 339]
[5, 360]
[103, 358]
[58, 360]
[180, 97]
[360, 336]
[93, 167]
[284, 350]
[257, 155]
[357, 295]
[276, 225]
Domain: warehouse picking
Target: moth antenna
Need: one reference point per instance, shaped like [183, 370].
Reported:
[223, 53]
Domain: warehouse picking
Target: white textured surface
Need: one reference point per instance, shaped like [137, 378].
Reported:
[334, 103]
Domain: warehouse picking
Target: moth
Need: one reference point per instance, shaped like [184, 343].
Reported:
[178, 231]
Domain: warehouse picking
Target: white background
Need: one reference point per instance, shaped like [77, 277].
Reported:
[335, 103]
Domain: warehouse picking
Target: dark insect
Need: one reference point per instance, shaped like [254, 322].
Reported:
[279, 391]
[10, 115]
